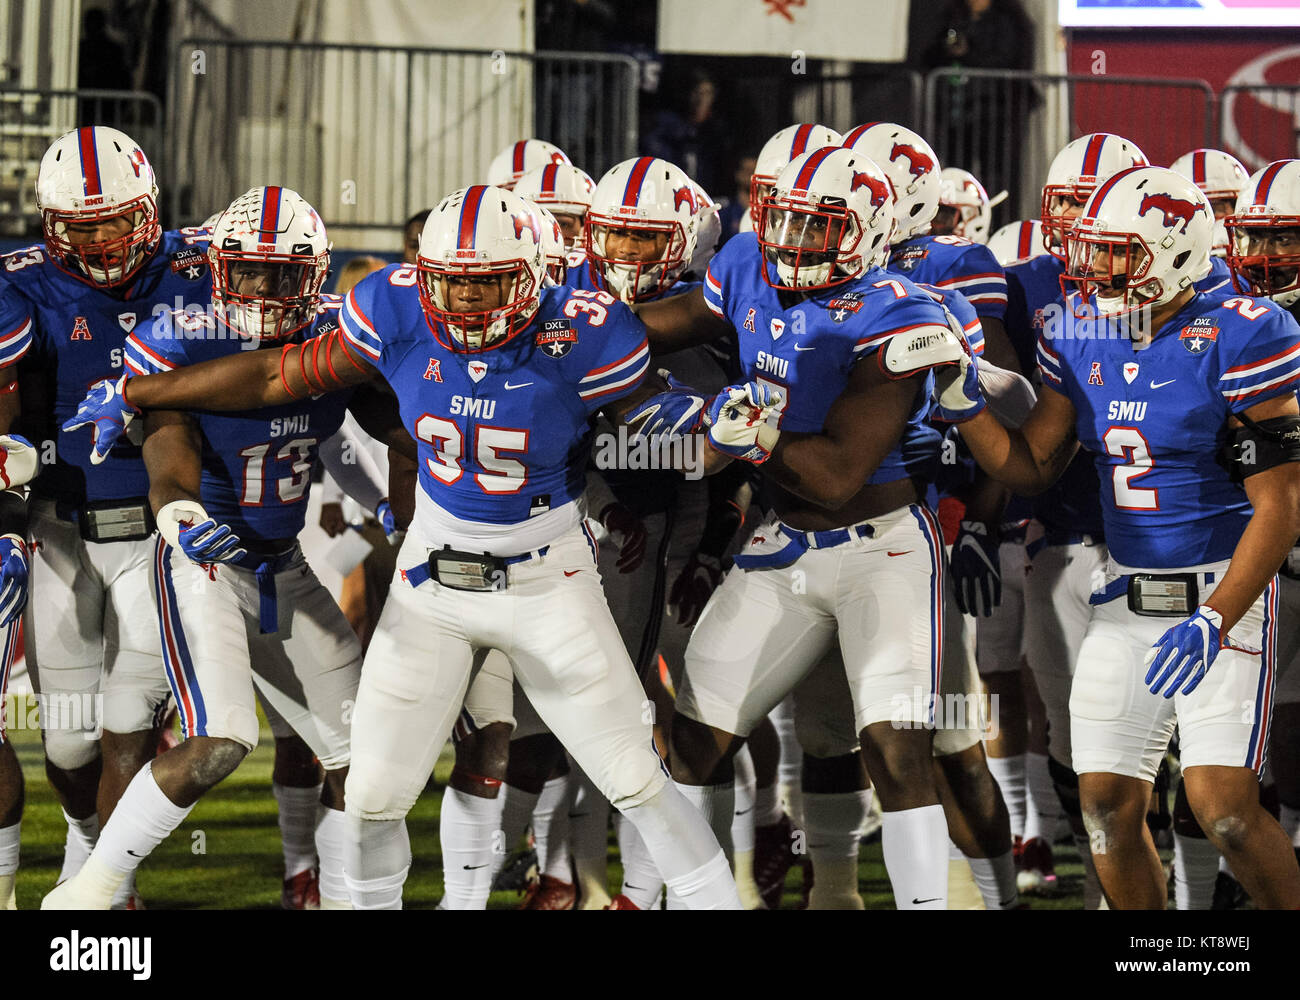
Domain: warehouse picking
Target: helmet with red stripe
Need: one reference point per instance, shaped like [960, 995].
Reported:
[1264, 234]
[1221, 176]
[99, 205]
[520, 157]
[791, 141]
[963, 206]
[554, 247]
[1074, 175]
[828, 219]
[269, 256]
[912, 168]
[641, 229]
[1018, 241]
[481, 266]
[1144, 236]
[564, 191]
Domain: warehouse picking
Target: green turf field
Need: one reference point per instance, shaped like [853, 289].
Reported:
[227, 853]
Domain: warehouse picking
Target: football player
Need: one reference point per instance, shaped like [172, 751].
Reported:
[238, 604]
[564, 191]
[1222, 178]
[1017, 241]
[517, 159]
[964, 207]
[497, 557]
[1189, 538]
[106, 267]
[784, 146]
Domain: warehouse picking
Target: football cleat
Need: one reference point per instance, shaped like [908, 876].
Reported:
[133, 902]
[302, 892]
[772, 859]
[73, 894]
[621, 902]
[1229, 894]
[549, 893]
[1037, 870]
[518, 873]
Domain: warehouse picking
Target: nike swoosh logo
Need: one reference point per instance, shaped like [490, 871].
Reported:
[1160, 385]
[743, 812]
[969, 543]
[572, 572]
[638, 888]
[798, 348]
[903, 553]
[519, 386]
[918, 902]
[134, 855]
[474, 868]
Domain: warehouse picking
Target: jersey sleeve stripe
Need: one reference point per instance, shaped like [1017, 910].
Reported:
[135, 366]
[358, 329]
[712, 282]
[717, 309]
[151, 360]
[15, 344]
[22, 328]
[597, 391]
[982, 297]
[596, 374]
[986, 277]
[1245, 392]
[1263, 364]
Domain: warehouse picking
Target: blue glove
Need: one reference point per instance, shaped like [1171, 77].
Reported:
[1184, 653]
[13, 578]
[737, 420]
[384, 515]
[976, 573]
[106, 409]
[670, 414]
[957, 395]
[210, 542]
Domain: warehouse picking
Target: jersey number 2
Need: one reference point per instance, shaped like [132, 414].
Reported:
[1129, 444]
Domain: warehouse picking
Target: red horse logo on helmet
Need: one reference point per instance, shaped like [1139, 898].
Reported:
[1173, 208]
[685, 194]
[918, 164]
[529, 222]
[879, 189]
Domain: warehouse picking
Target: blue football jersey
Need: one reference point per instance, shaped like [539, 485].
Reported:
[954, 263]
[79, 333]
[503, 434]
[1156, 420]
[257, 464]
[1219, 278]
[808, 349]
[1036, 306]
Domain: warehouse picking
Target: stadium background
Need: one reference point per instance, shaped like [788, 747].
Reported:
[373, 110]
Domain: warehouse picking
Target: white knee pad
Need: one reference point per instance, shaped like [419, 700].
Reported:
[374, 791]
[633, 778]
[69, 749]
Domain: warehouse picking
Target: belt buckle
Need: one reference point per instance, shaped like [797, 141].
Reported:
[479, 572]
[1170, 595]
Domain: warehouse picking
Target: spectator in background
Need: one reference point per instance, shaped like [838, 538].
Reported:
[694, 138]
[737, 206]
[981, 122]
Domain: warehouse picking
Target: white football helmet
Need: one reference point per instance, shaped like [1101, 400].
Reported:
[828, 219]
[964, 208]
[520, 157]
[563, 190]
[912, 168]
[1018, 241]
[1144, 236]
[1074, 175]
[269, 256]
[492, 235]
[791, 141]
[1221, 176]
[99, 205]
[708, 233]
[641, 229]
[553, 246]
[1264, 234]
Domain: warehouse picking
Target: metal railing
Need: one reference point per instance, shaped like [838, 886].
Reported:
[370, 134]
[1260, 123]
[841, 102]
[1006, 125]
[32, 119]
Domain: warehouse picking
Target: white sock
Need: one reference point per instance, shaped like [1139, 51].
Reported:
[122, 898]
[996, 879]
[742, 821]
[717, 804]
[767, 806]
[832, 822]
[1290, 820]
[297, 814]
[1009, 773]
[790, 769]
[1196, 866]
[641, 880]
[588, 838]
[915, 844]
[9, 841]
[469, 830]
[517, 808]
[80, 841]
[676, 835]
[1043, 805]
[330, 833]
[143, 819]
[376, 858]
[551, 830]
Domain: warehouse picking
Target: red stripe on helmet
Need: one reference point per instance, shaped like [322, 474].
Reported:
[810, 167]
[469, 217]
[518, 161]
[1266, 181]
[633, 190]
[548, 178]
[1198, 168]
[270, 215]
[89, 160]
[1099, 195]
[857, 133]
[1092, 155]
[800, 144]
[1025, 243]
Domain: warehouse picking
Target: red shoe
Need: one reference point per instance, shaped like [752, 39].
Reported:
[302, 892]
[1037, 872]
[549, 893]
[772, 859]
[621, 902]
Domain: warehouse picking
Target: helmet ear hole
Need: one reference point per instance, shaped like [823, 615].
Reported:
[1181, 259]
